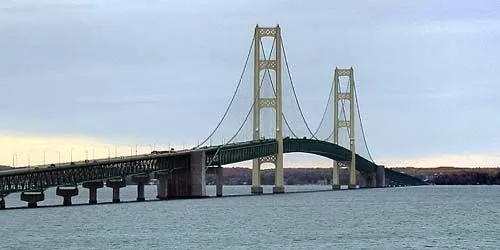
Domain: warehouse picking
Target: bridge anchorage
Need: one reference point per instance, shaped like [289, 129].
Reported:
[182, 174]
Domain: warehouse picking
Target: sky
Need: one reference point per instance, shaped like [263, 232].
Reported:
[93, 78]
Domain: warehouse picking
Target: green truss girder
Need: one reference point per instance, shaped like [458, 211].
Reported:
[40, 179]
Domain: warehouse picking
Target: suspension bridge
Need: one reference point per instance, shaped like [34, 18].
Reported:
[265, 122]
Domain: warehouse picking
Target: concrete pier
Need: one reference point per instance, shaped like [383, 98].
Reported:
[257, 189]
[116, 184]
[335, 176]
[140, 180]
[179, 184]
[32, 197]
[219, 181]
[198, 170]
[2, 203]
[162, 185]
[93, 186]
[256, 178]
[380, 176]
[67, 192]
[278, 189]
[367, 180]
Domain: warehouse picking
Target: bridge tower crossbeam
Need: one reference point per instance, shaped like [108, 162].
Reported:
[275, 103]
[347, 121]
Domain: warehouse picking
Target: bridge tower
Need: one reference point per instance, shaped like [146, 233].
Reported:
[264, 64]
[346, 121]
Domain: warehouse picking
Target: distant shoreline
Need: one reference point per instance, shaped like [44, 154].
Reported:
[322, 176]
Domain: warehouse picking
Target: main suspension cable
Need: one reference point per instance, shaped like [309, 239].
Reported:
[294, 93]
[275, 96]
[325, 111]
[232, 98]
[249, 112]
[361, 123]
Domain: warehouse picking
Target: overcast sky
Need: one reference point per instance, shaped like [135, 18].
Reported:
[88, 73]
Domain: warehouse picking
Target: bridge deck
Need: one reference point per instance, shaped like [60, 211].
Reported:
[42, 177]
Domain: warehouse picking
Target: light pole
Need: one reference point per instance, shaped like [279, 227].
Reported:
[86, 155]
[109, 156]
[59, 156]
[71, 155]
[131, 150]
[14, 160]
[136, 149]
[43, 157]
[29, 159]
[93, 153]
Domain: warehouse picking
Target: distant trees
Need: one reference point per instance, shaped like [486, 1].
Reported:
[303, 176]
[467, 178]
[292, 176]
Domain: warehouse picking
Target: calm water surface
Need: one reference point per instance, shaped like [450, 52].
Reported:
[439, 217]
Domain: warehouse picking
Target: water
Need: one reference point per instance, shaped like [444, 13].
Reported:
[439, 217]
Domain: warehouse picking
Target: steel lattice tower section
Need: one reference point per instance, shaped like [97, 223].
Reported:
[275, 102]
[346, 122]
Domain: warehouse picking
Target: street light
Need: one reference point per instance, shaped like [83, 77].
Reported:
[14, 160]
[86, 155]
[29, 159]
[43, 157]
[71, 155]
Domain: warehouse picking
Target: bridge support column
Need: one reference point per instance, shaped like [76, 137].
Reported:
[32, 198]
[116, 184]
[335, 176]
[346, 122]
[219, 179]
[161, 185]
[373, 180]
[256, 188]
[2, 203]
[179, 184]
[279, 180]
[380, 176]
[140, 180]
[273, 63]
[198, 171]
[93, 186]
[352, 177]
[67, 192]
[367, 180]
